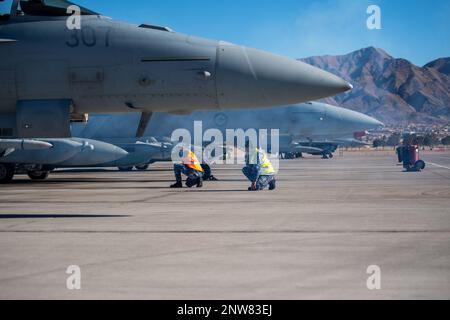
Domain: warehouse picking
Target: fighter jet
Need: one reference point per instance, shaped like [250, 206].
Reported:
[313, 128]
[52, 72]
[304, 128]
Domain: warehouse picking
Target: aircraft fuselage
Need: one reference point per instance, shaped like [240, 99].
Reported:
[105, 66]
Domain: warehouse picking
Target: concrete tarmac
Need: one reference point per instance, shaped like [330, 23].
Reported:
[312, 238]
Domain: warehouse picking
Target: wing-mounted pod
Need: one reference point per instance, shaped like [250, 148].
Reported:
[8, 146]
[24, 144]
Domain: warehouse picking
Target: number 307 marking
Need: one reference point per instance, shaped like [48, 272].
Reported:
[87, 36]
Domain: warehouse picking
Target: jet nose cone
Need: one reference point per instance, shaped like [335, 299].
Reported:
[359, 121]
[377, 124]
[252, 78]
[371, 123]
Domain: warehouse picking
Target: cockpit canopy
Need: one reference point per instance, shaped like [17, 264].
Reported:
[44, 8]
[50, 8]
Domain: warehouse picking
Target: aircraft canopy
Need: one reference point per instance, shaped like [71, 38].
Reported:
[51, 8]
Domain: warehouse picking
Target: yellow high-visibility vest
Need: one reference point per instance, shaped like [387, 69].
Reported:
[192, 162]
[266, 165]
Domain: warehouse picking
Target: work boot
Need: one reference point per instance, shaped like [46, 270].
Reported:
[199, 183]
[273, 185]
[177, 185]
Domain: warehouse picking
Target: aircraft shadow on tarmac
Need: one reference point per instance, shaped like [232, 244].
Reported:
[99, 170]
[89, 180]
[219, 191]
[50, 181]
[59, 216]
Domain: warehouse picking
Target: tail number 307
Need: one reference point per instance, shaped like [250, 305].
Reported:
[87, 36]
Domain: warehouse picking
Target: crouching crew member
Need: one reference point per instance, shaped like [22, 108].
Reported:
[189, 166]
[258, 169]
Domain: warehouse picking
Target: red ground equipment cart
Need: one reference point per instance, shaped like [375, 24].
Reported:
[409, 155]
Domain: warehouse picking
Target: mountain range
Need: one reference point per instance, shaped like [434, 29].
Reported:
[393, 90]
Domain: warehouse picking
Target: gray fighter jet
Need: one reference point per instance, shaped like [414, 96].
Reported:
[312, 127]
[53, 72]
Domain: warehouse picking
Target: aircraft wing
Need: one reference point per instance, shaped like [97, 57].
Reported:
[6, 41]
[351, 141]
[306, 149]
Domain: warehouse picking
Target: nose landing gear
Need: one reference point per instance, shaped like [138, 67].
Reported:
[327, 155]
[38, 175]
[7, 171]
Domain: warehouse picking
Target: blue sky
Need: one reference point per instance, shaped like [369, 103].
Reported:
[418, 30]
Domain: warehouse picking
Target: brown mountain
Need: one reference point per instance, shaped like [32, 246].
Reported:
[442, 65]
[392, 90]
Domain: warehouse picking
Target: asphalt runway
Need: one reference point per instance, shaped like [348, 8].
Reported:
[312, 238]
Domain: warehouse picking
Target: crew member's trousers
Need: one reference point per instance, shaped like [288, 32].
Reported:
[262, 182]
[192, 174]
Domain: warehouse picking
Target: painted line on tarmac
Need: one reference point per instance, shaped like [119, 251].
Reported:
[438, 165]
[286, 231]
[440, 157]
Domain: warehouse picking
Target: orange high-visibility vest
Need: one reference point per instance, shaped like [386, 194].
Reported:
[191, 161]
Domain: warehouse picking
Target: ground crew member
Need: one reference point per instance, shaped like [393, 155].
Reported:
[258, 169]
[189, 166]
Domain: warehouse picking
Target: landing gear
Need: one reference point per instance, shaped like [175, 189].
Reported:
[38, 175]
[327, 155]
[125, 169]
[289, 156]
[7, 172]
[142, 167]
